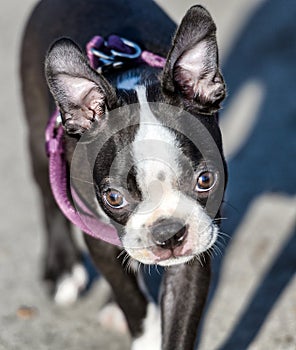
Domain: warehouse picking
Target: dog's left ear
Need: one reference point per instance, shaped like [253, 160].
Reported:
[81, 94]
[192, 68]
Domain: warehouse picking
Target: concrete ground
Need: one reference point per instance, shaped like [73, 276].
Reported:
[253, 300]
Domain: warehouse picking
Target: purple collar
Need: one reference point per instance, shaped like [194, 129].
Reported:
[114, 53]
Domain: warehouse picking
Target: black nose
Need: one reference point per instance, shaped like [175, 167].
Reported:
[168, 233]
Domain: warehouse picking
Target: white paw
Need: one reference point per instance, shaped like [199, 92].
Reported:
[112, 318]
[70, 285]
[151, 337]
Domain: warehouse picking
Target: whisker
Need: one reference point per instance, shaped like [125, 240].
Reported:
[125, 259]
[218, 219]
[156, 268]
[130, 267]
[147, 267]
[121, 253]
[191, 261]
[210, 253]
[198, 258]
[221, 233]
[204, 257]
[222, 240]
[139, 267]
[231, 206]
[217, 250]
[127, 266]
[220, 244]
[81, 180]
[213, 252]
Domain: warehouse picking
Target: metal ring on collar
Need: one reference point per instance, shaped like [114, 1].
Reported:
[131, 56]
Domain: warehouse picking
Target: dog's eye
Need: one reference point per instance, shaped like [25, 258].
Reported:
[114, 198]
[206, 180]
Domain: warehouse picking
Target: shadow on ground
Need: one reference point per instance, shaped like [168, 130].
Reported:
[265, 52]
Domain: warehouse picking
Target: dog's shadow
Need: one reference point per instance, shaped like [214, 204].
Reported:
[265, 53]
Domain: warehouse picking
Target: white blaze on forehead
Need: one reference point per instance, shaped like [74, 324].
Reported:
[155, 148]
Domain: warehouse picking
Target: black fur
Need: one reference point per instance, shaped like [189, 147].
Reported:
[184, 287]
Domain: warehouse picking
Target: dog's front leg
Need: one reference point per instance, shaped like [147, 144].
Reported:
[124, 283]
[184, 293]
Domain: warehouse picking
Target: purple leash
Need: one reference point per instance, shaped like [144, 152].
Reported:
[114, 53]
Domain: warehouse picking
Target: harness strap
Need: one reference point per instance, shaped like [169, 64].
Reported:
[59, 186]
[117, 52]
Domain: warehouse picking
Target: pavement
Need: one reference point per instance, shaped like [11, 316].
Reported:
[252, 304]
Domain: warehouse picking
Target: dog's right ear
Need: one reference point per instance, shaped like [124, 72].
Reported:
[192, 69]
[81, 94]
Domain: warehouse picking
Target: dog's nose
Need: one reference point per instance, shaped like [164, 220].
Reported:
[168, 233]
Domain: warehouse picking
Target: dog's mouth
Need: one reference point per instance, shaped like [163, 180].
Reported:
[172, 256]
[163, 257]
[189, 248]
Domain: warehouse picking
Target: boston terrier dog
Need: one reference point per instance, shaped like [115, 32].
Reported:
[153, 165]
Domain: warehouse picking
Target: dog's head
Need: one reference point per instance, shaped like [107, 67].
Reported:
[157, 161]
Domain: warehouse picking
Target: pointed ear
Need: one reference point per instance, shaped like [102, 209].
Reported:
[192, 68]
[81, 93]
